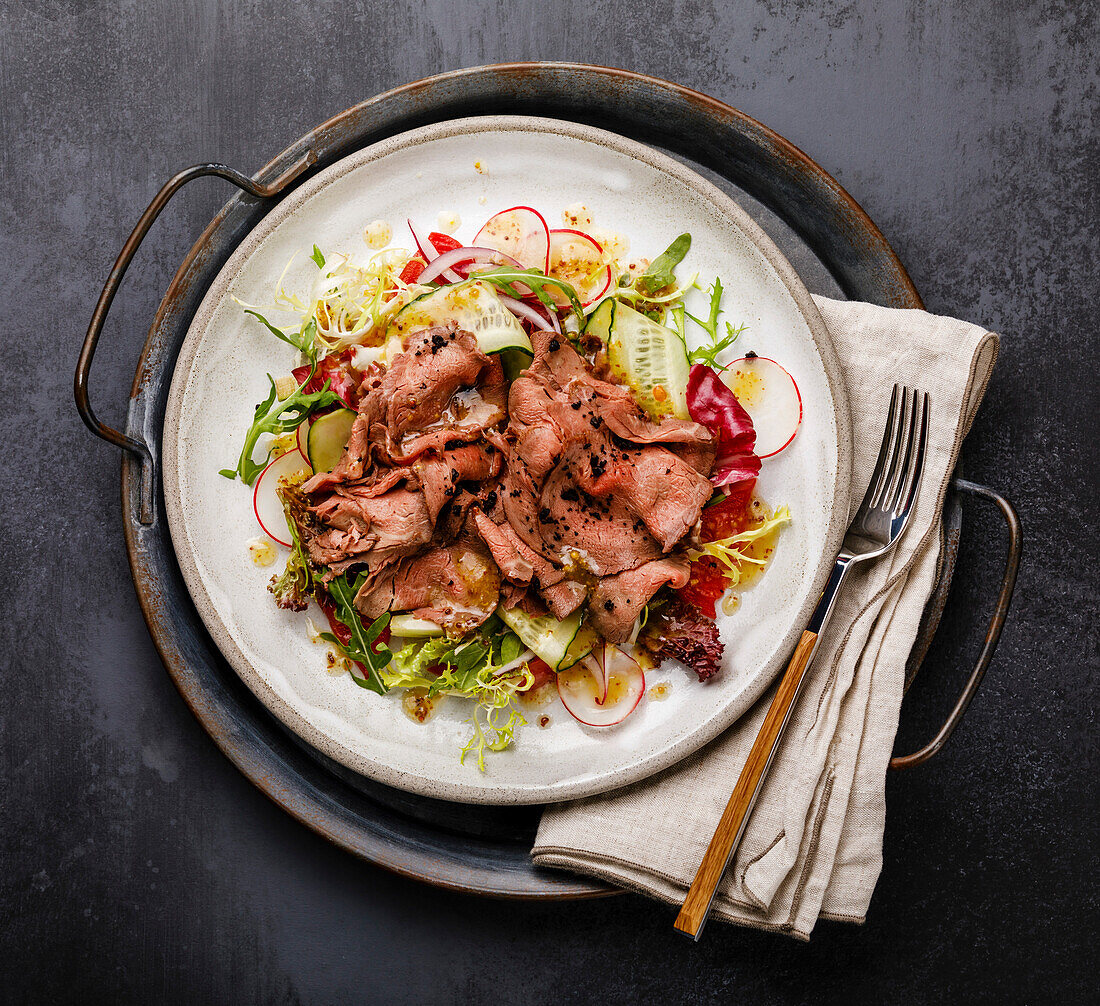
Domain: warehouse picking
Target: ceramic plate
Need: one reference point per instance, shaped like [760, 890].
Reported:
[220, 375]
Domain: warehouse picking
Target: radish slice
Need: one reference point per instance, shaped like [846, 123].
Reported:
[265, 500]
[520, 232]
[576, 257]
[301, 438]
[771, 398]
[602, 699]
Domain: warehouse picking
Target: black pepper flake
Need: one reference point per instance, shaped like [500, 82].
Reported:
[595, 422]
[490, 500]
[575, 406]
[750, 355]
[545, 517]
[609, 606]
[554, 345]
[438, 342]
[570, 495]
[514, 494]
[454, 474]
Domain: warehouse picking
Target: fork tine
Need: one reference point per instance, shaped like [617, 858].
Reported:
[904, 469]
[887, 483]
[917, 469]
[883, 452]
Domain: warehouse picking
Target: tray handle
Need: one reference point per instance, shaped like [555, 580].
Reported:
[993, 632]
[137, 448]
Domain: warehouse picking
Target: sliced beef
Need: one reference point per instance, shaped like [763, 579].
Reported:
[456, 586]
[516, 561]
[583, 499]
[350, 467]
[654, 484]
[689, 441]
[422, 422]
[617, 601]
[600, 535]
[564, 598]
[623, 489]
[417, 389]
[367, 529]
[512, 594]
[440, 473]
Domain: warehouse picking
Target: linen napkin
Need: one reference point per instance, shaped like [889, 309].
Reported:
[813, 845]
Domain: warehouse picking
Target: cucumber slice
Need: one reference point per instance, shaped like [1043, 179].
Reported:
[474, 306]
[600, 321]
[513, 361]
[411, 627]
[651, 360]
[327, 439]
[560, 644]
[584, 642]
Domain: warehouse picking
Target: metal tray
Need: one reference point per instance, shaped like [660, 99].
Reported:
[816, 223]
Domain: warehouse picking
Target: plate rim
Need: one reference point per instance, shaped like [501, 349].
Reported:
[506, 794]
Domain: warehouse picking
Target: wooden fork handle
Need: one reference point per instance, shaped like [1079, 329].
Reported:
[732, 824]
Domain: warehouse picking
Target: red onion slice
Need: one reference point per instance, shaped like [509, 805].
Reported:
[522, 310]
[429, 255]
[447, 260]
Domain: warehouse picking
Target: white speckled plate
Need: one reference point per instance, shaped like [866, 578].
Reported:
[221, 375]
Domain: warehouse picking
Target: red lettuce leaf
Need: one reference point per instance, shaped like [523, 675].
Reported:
[713, 405]
[682, 632]
[335, 368]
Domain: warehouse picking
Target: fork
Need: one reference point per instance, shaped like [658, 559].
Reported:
[879, 522]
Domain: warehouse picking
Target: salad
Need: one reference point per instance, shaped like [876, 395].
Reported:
[502, 468]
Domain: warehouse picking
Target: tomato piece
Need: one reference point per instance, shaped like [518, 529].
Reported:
[731, 516]
[541, 671]
[443, 242]
[413, 268]
[708, 579]
[707, 582]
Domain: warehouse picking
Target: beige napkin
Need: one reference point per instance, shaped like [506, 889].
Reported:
[813, 846]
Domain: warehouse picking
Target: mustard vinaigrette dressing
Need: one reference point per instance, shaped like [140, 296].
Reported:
[757, 555]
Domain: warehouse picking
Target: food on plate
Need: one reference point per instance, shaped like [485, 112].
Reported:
[510, 466]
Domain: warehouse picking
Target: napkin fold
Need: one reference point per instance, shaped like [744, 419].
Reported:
[813, 845]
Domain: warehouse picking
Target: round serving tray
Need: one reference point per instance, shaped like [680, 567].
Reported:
[825, 234]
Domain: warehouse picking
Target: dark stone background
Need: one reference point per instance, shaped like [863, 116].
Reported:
[138, 866]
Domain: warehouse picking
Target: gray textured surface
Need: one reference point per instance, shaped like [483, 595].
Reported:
[138, 866]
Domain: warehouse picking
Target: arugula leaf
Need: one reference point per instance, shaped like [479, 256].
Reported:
[318, 257]
[505, 278]
[275, 417]
[303, 340]
[362, 645]
[660, 272]
[709, 354]
[710, 326]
